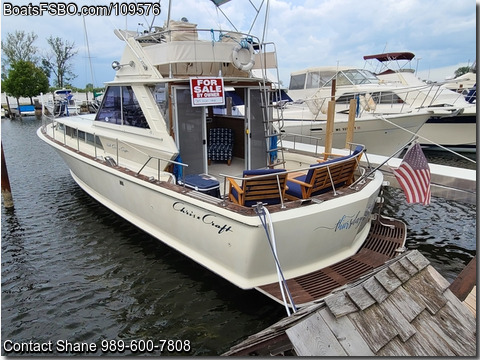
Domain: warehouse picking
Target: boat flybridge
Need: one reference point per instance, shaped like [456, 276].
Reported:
[168, 152]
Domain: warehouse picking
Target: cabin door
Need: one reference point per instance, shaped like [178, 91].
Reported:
[190, 131]
[256, 151]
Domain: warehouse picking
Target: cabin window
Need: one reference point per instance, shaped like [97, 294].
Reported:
[386, 97]
[297, 82]
[317, 79]
[120, 106]
[83, 136]
[159, 93]
[345, 98]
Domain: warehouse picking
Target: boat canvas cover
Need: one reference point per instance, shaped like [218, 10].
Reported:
[391, 56]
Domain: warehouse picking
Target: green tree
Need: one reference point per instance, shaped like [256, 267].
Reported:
[462, 70]
[58, 62]
[25, 80]
[18, 46]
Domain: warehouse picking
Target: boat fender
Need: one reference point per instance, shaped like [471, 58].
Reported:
[243, 56]
[363, 103]
[372, 105]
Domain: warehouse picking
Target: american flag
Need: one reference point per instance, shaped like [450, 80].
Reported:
[414, 175]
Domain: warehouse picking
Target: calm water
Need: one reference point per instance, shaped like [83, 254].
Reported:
[73, 270]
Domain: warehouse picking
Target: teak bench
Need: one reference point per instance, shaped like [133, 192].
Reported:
[323, 177]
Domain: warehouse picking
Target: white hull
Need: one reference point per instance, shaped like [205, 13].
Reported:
[226, 242]
[459, 132]
[148, 136]
[380, 136]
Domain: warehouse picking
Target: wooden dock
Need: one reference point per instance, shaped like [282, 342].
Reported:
[405, 308]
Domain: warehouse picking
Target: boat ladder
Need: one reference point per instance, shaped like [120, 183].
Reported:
[272, 125]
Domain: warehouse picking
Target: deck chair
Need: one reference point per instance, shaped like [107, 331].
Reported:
[324, 177]
[220, 145]
[265, 186]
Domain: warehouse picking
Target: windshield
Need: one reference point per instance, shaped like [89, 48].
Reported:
[354, 77]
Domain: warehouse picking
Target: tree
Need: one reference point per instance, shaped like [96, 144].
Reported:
[462, 70]
[58, 62]
[18, 46]
[25, 80]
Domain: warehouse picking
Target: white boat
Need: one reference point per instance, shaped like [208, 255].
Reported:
[383, 131]
[465, 84]
[62, 103]
[394, 103]
[457, 131]
[145, 155]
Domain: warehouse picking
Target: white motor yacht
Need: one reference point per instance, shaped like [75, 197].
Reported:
[165, 152]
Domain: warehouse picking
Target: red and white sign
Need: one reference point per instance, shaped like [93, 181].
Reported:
[207, 91]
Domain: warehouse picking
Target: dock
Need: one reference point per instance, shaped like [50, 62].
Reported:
[404, 308]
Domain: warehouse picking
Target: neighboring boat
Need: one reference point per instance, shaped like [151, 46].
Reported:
[3, 112]
[383, 130]
[145, 155]
[62, 103]
[457, 131]
[465, 84]
[25, 110]
[396, 96]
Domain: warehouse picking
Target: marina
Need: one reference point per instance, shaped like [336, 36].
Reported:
[72, 269]
[177, 211]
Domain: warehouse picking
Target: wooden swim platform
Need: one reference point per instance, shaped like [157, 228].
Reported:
[385, 240]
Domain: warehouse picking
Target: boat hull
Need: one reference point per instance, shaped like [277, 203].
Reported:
[230, 243]
[457, 132]
[380, 136]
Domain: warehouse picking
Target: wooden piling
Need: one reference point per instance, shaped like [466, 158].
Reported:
[329, 131]
[351, 123]
[6, 191]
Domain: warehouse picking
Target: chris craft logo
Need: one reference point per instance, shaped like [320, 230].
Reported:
[207, 219]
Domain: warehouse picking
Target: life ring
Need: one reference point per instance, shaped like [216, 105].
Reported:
[243, 56]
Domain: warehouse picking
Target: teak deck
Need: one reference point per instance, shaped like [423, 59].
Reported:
[385, 237]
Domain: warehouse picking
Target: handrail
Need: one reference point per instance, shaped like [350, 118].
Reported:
[46, 120]
[254, 177]
[164, 34]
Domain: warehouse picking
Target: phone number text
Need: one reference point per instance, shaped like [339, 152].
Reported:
[145, 346]
[72, 9]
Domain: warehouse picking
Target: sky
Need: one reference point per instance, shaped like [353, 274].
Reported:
[441, 33]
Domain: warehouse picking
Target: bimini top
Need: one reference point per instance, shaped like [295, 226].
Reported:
[404, 55]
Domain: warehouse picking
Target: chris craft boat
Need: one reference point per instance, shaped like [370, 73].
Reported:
[164, 153]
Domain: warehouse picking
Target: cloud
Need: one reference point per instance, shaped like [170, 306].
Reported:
[306, 32]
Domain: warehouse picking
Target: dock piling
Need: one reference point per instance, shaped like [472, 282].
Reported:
[6, 191]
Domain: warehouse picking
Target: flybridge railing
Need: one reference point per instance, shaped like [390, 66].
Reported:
[189, 33]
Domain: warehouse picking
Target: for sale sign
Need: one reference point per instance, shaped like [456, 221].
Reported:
[207, 91]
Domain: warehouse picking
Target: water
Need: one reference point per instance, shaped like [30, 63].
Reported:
[73, 270]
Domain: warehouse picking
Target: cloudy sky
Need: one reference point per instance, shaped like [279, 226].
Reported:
[441, 33]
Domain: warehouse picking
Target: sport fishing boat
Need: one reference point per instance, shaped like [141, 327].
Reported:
[165, 152]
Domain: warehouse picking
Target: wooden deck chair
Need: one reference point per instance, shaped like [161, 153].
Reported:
[265, 186]
[326, 176]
